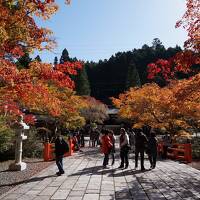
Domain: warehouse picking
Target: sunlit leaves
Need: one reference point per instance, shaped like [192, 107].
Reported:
[172, 107]
[41, 88]
[191, 22]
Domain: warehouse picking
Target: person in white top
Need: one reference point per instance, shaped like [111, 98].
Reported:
[124, 148]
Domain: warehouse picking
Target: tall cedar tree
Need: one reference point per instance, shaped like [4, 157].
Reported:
[64, 57]
[37, 58]
[133, 78]
[55, 61]
[82, 85]
[24, 61]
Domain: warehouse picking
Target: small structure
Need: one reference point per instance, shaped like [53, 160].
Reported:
[18, 165]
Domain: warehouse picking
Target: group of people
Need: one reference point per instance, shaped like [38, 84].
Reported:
[141, 142]
[136, 141]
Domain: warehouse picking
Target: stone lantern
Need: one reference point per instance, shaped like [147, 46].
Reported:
[18, 165]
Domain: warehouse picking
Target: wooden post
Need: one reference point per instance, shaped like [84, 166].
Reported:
[188, 153]
[47, 152]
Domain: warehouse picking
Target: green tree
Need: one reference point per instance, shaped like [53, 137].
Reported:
[55, 61]
[6, 135]
[37, 58]
[133, 78]
[65, 56]
[82, 85]
[23, 62]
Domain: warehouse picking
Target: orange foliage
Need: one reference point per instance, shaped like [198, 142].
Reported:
[173, 107]
[41, 88]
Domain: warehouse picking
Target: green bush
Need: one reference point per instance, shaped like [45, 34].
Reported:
[7, 136]
[32, 146]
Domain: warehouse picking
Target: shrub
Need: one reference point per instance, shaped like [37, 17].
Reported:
[6, 136]
[32, 146]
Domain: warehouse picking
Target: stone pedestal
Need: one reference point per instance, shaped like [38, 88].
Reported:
[17, 166]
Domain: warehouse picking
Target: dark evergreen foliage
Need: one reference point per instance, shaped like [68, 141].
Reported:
[23, 62]
[82, 85]
[133, 78]
[109, 78]
[55, 61]
[65, 56]
[37, 58]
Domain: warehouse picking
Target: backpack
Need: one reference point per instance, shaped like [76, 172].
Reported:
[65, 146]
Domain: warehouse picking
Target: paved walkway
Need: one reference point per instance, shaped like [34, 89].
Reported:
[86, 180]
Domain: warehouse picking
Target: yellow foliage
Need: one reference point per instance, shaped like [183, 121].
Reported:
[172, 107]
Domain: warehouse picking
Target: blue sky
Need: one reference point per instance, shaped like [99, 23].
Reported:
[97, 29]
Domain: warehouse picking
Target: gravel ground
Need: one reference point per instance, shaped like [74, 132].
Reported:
[9, 179]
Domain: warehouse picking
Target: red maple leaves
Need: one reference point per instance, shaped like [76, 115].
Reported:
[167, 69]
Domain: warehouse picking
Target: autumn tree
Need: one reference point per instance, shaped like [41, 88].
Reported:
[183, 62]
[95, 111]
[40, 87]
[174, 107]
[191, 22]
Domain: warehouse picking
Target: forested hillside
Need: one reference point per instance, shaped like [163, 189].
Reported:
[109, 78]
[124, 69]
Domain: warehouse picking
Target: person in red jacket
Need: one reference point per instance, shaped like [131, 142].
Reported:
[106, 146]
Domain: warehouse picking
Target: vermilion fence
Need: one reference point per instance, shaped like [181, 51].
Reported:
[182, 152]
[48, 153]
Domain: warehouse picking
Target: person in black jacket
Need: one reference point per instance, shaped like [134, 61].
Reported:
[140, 143]
[152, 144]
[61, 147]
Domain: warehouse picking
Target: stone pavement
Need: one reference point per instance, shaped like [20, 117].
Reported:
[84, 179]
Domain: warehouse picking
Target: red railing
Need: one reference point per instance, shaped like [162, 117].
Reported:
[181, 152]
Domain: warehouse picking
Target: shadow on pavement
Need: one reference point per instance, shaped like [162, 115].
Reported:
[28, 181]
[115, 172]
[90, 153]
